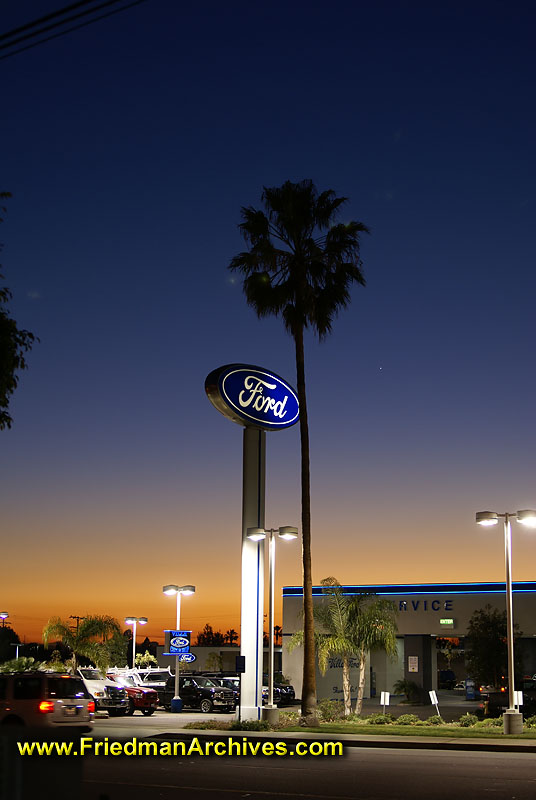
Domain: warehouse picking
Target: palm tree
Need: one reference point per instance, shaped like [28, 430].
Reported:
[231, 636]
[278, 634]
[374, 628]
[90, 639]
[300, 265]
[351, 626]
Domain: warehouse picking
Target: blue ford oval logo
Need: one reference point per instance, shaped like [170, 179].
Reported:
[179, 641]
[253, 396]
[187, 657]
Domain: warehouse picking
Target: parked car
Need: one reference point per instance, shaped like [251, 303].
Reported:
[154, 678]
[284, 692]
[198, 691]
[140, 698]
[45, 699]
[108, 695]
[495, 702]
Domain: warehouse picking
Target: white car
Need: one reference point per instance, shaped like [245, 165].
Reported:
[45, 699]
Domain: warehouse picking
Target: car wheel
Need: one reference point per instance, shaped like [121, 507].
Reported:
[147, 711]
[131, 707]
[205, 706]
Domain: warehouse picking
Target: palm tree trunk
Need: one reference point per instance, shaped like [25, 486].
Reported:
[361, 687]
[308, 695]
[346, 691]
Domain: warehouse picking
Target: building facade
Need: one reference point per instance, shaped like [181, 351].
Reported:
[426, 613]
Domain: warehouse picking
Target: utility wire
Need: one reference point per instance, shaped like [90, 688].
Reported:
[69, 30]
[45, 18]
[46, 28]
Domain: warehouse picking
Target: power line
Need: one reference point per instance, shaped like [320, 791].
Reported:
[45, 18]
[68, 30]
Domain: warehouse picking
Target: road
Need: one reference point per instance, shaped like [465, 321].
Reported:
[367, 774]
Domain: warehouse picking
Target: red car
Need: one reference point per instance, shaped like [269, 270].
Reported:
[146, 700]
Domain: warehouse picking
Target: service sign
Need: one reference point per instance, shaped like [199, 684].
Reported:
[177, 642]
[253, 396]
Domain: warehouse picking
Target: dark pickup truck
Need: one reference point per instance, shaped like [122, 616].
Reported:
[197, 691]
[496, 703]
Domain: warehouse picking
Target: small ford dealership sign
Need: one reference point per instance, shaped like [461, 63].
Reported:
[253, 396]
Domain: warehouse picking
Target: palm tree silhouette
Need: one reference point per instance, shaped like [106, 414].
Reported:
[231, 636]
[278, 633]
[300, 265]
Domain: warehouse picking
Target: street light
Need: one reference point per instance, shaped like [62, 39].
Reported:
[133, 621]
[171, 589]
[512, 719]
[256, 534]
[3, 616]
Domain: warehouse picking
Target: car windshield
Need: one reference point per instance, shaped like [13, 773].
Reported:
[205, 683]
[92, 674]
[123, 680]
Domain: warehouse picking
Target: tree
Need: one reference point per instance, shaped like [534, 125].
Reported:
[351, 626]
[8, 637]
[486, 653]
[300, 266]
[146, 660]
[375, 628]
[209, 638]
[278, 634]
[14, 343]
[231, 636]
[96, 638]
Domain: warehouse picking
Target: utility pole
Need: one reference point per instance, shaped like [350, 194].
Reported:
[74, 616]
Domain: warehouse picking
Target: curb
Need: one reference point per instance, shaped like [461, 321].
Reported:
[349, 740]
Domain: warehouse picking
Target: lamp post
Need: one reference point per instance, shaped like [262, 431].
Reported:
[171, 589]
[256, 534]
[3, 616]
[133, 621]
[512, 719]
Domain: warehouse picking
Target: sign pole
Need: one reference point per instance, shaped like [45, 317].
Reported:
[252, 598]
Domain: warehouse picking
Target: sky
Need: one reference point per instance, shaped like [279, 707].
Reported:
[130, 146]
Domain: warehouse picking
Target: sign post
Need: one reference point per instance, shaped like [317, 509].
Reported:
[384, 700]
[433, 700]
[261, 401]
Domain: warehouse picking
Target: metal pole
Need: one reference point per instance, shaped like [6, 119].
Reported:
[177, 657]
[134, 645]
[271, 620]
[509, 614]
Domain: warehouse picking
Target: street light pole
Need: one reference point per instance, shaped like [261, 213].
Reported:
[3, 616]
[133, 621]
[286, 532]
[171, 589]
[512, 719]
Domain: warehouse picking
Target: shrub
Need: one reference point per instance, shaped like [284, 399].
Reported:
[250, 725]
[435, 719]
[330, 710]
[467, 720]
[289, 718]
[407, 719]
[490, 722]
[409, 688]
[380, 719]
[530, 722]
[208, 725]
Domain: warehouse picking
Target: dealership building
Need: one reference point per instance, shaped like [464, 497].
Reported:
[426, 613]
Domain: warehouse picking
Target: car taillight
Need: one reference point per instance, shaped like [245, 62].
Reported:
[91, 706]
[46, 706]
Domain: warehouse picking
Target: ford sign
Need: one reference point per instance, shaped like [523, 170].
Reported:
[179, 641]
[253, 396]
[187, 657]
